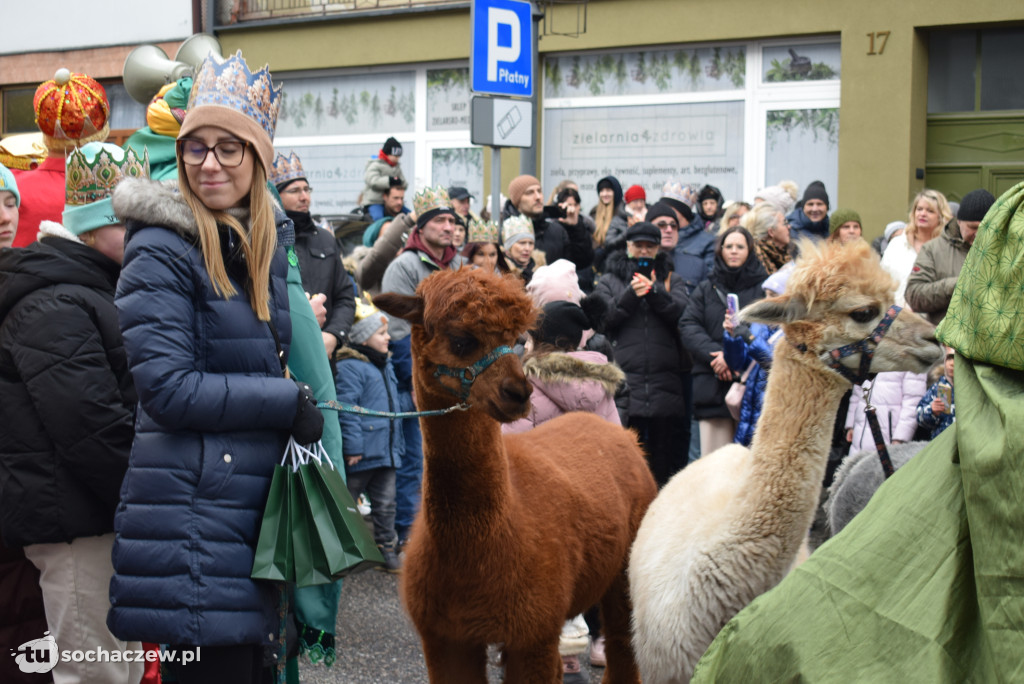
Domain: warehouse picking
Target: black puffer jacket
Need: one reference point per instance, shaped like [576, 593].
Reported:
[558, 240]
[66, 397]
[322, 271]
[701, 329]
[643, 333]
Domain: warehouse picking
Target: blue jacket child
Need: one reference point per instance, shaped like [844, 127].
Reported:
[372, 445]
[927, 415]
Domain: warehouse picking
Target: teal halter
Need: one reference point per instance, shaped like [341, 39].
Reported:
[469, 374]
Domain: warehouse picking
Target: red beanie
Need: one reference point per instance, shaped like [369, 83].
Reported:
[635, 192]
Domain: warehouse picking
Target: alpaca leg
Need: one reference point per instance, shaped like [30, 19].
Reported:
[618, 645]
[538, 664]
[450, 661]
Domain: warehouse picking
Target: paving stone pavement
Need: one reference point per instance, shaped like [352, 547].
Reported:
[377, 643]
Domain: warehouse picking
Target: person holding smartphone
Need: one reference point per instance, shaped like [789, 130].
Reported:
[645, 300]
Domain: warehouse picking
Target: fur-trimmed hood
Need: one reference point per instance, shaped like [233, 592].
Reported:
[141, 202]
[574, 381]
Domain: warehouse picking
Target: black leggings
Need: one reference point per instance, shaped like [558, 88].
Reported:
[666, 443]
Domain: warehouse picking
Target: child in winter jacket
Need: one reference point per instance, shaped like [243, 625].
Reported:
[372, 445]
[937, 409]
[752, 347]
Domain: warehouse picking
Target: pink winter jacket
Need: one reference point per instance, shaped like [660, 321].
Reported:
[572, 381]
[895, 396]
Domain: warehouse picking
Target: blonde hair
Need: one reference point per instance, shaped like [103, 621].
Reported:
[759, 220]
[941, 204]
[258, 243]
[731, 209]
[603, 215]
[560, 187]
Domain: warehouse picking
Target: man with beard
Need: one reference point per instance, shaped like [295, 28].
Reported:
[323, 277]
[565, 238]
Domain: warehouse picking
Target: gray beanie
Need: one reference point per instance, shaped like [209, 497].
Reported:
[368, 320]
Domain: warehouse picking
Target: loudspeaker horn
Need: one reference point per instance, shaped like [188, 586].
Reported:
[147, 69]
[194, 50]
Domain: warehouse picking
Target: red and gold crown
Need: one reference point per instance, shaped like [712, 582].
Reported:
[71, 110]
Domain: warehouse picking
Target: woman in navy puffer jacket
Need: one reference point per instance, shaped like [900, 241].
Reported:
[203, 308]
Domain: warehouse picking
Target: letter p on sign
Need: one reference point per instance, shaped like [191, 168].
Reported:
[496, 17]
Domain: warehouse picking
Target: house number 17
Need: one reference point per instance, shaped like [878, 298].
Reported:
[883, 38]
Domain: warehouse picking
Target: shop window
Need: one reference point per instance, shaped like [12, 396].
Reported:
[461, 166]
[646, 145]
[349, 104]
[683, 70]
[800, 62]
[447, 99]
[802, 145]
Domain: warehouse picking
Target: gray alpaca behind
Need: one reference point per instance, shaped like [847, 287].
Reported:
[856, 480]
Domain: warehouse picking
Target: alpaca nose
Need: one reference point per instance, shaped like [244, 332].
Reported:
[516, 390]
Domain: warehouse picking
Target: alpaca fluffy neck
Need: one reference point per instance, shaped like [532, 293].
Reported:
[791, 446]
[465, 469]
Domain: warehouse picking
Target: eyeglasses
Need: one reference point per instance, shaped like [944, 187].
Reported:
[667, 224]
[229, 153]
[307, 189]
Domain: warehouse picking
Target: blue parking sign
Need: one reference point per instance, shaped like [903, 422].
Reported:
[501, 56]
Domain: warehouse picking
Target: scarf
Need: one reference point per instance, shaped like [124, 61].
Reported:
[384, 157]
[303, 220]
[770, 254]
[415, 242]
[376, 358]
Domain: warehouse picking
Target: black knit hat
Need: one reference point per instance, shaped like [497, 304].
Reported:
[975, 205]
[659, 209]
[816, 190]
[682, 207]
[562, 323]
[392, 146]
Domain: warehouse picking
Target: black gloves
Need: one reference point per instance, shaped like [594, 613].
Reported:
[308, 425]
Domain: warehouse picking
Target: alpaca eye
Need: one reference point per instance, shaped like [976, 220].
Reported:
[461, 346]
[865, 315]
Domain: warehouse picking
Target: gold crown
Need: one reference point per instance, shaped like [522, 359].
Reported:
[429, 199]
[483, 231]
[365, 309]
[516, 226]
[90, 181]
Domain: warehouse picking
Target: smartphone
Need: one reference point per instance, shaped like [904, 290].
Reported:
[645, 266]
[732, 307]
[554, 211]
[946, 394]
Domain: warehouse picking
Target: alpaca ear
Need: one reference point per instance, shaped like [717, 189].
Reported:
[409, 307]
[774, 310]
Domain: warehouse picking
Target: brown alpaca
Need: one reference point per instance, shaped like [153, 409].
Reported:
[516, 533]
[730, 526]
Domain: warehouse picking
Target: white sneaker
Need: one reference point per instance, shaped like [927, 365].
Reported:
[364, 505]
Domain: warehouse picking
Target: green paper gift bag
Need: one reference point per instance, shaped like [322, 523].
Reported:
[345, 537]
[312, 532]
[311, 562]
[274, 557]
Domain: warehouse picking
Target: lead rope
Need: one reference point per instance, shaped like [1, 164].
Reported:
[876, 432]
[352, 408]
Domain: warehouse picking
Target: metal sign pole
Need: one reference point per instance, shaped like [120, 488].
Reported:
[496, 185]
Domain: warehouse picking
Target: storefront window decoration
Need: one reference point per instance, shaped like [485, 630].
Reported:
[788, 63]
[348, 104]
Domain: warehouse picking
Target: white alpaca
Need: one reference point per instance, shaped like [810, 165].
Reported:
[731, 525]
